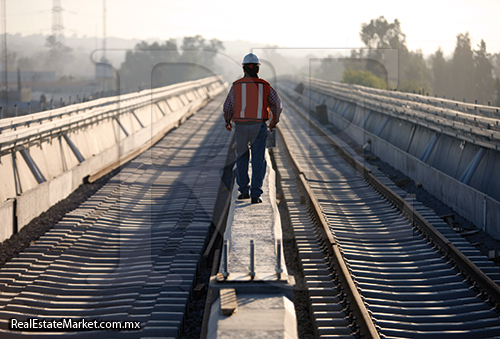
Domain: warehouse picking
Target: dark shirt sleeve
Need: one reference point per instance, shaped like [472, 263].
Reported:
[275, 106]
[228, 107]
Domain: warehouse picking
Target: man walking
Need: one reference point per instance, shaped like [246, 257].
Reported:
[248, 104]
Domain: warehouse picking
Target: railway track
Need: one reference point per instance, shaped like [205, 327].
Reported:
[414, 282]
[131, 251]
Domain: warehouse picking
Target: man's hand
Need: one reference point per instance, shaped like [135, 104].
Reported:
[272, 126]
[229, 127]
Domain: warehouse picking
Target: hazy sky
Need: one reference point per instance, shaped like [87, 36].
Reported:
[315, 24]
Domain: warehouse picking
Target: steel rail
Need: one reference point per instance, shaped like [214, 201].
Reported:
[446, 247]
[364, 319]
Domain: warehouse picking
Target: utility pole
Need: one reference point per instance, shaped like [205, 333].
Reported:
[4, 54]
[103, 30]
[57, 22]
[104, 71]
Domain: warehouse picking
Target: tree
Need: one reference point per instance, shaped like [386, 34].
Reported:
[378, 35]
[496, 69]
[200, 54]
[483, 78]
[381, 34]
[155, 65]
[59, 55]
[440, 73]
[416, 75]
[27, 64]
[363, 78]
[495, 61]
[141, 65]
[330, 68]
[497, 90]
[462, 69]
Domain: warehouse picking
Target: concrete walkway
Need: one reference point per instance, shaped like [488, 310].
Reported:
[259, 306]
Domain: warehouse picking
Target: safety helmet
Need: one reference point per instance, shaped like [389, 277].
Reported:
[251, 58]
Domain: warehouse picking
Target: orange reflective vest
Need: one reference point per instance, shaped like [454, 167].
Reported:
[251, 99]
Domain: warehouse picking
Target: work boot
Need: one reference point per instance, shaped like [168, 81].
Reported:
[256, 200]
[243, 196]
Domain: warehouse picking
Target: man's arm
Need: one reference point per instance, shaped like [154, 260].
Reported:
[275, 105]
[228, 108]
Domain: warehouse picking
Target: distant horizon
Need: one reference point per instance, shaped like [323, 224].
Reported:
[428, 25]
[255, 44]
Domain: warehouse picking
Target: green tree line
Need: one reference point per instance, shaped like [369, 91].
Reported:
[155, 65]
[470, 74]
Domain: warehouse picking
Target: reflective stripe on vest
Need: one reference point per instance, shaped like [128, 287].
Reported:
[243, 100]
[251, 99]
[259, 108]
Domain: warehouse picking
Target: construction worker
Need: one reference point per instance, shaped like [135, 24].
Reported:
[248, 104]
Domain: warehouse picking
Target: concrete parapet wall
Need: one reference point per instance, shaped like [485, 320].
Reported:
[101, 141]
[7, 213]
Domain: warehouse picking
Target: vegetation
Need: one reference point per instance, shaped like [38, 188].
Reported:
[157, 65]
[470, 74]
[59, 54]
[364, 78]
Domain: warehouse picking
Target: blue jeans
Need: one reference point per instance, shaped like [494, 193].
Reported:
[255, 136]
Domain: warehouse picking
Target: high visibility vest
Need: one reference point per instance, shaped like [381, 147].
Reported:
[251, 99]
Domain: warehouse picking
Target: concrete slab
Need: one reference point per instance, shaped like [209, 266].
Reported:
[259, 305]
[260, 223]
[257, 316]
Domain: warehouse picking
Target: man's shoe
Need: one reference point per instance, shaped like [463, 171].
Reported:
[244, 196]
[256, 200]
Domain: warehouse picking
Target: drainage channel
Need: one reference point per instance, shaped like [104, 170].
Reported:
[408, 286]
[130, 253]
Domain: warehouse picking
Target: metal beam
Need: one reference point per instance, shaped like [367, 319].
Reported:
[75, 150]
[429, 148]
[365, 119]
[381, 126]
[37, 173]
[160, 108]
[17, 179]
[489, 171]
[121, 126]
[345, 109]
[469, 171]
[136, 118]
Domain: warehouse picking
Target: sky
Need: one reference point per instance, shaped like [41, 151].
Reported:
[297, 24]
